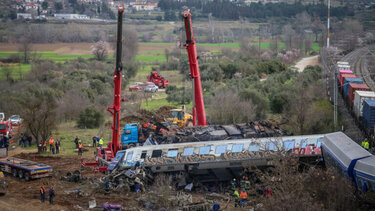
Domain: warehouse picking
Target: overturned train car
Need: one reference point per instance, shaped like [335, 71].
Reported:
[221, 160]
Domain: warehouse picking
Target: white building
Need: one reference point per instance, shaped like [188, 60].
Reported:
[72, 16]
[24, 16]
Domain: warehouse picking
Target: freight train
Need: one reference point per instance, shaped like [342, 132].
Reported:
[359, 98]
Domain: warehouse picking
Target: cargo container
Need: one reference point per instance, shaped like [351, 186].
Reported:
[368, 117]
[343, 72]
[354, 87]
[343, 76]
[359, 96]
[347, 82]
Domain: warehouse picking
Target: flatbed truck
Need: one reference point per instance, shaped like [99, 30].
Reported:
[24, 169]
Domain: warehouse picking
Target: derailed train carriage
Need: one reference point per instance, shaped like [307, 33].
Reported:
[350, 159]
[218, 160]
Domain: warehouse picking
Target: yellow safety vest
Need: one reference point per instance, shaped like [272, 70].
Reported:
[101, 141]
[366, 145]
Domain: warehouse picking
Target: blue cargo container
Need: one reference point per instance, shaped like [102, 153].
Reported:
[346, 84]
[368, 113]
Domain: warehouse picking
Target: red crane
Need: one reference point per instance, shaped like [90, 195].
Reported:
[198, 106]
[117, 76]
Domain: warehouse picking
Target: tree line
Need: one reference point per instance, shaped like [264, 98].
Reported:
[225, 9]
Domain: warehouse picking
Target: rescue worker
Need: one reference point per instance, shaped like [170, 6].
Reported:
[267, 192]
[216, 206]
[247, 184]
[101, 142]
[242, 183]
[79, 148]
[42, 194]
[94, 141]
[365, 144]
[51, 141]
[243, 197]
[107, 187]
[234, 184]
[53, 148]
[236, 197]
[76, 140]
[45, 146]
[51, 195]
[57, 146]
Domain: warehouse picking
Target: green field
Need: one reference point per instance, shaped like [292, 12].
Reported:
[16, 71]
[157, 103]
[47, 55]
[150, 58]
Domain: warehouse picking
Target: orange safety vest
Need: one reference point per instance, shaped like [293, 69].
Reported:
[243, 195]
[42, 190]
[51, 141]
[80, 145]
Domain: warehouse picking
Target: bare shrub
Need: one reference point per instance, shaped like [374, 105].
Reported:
[226, 107]
[100, 50]
[312, 187]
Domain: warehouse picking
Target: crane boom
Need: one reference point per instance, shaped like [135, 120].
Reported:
[198, 107]
[117, 76]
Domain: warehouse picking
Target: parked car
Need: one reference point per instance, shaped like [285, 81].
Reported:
[136, 87]
[151, 88]
[15, 120]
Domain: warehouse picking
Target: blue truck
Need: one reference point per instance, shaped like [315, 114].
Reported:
[134, 134]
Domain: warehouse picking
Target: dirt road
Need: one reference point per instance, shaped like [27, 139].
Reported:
[301, 65]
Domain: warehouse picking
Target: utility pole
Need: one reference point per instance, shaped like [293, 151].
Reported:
[329, 7]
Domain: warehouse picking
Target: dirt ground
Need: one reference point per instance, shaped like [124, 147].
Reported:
[24, 195]
[66, 199]
[313, 60]
[85, 48]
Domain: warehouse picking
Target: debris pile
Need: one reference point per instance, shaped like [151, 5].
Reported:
[258, 129]
[143, 116]
[76, 176]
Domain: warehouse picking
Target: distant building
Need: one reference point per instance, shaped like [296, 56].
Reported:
[145, 6]
[24, 16]
[72, 16]
[31, 7]
[34, 1]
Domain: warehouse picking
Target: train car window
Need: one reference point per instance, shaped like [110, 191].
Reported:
[127, 132]
[156, 153]
[303, 144]
[288, 144]
[221, 149]
[172, 153]
[319, 142]
[188, 151]
[271, 146]
[143, 155]
[204, 150]
[237, 148]
[129, 156]
[254, 148]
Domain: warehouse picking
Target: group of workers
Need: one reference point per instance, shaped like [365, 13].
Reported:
[241, 189]
[54, 145]
[25, 139]
[4, 141]
[97, 141]
[43, 195]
